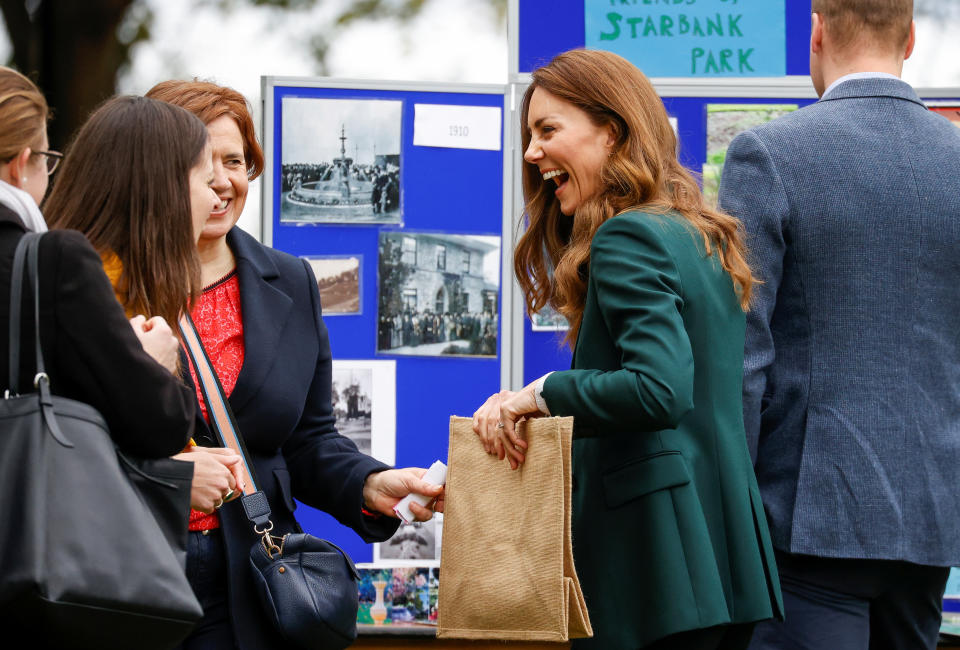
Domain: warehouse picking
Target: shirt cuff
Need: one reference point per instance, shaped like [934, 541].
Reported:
[538, 394]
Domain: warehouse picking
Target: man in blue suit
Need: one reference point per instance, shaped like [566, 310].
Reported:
[852, 366]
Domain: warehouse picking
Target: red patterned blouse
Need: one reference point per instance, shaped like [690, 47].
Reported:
[219, 322]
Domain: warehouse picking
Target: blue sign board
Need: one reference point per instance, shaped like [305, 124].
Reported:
[692, 38]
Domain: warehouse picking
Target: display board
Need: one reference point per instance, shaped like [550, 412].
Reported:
[395, 194]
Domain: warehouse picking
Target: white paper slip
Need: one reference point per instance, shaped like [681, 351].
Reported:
[436, 475]
[459, 127]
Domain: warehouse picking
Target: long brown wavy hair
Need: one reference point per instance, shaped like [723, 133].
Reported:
[125, 184]
[552, 258]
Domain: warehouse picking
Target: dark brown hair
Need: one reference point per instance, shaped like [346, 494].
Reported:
[23, 114]
[125, 184]
[641, 172]
[885, 22]
[208, 101]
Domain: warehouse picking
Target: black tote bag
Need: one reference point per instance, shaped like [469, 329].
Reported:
[83, 561]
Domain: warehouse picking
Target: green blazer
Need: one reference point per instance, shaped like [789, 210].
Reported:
[669, 532]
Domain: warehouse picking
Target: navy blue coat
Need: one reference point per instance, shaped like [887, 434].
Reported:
[282, 405]
[852, 364]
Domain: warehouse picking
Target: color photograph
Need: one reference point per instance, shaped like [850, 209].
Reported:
[548, 320]
[340, 161]
[724, 123]
[338, 279]
[438, 294]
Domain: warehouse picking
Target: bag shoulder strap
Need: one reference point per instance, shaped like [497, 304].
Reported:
[28, 247]
[224, 424]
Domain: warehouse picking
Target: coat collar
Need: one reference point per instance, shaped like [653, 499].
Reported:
[265, 309]
[873, 87]
[9, 217]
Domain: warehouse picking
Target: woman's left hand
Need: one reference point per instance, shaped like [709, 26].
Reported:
[495, 423]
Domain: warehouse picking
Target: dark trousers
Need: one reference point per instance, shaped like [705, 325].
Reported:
[207, 574]
[838, 604]
[719, 637]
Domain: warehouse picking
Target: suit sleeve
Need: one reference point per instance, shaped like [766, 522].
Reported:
[640, 298]
[327, 470]
[751, 190]
[150, 412]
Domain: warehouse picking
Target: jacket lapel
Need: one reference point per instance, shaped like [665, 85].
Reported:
[265, 309]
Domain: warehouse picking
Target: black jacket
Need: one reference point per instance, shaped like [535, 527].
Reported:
[282, 405]
[90, 351]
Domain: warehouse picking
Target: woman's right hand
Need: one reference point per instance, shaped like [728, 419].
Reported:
[157, 340]
[216, 476]
[495, 423]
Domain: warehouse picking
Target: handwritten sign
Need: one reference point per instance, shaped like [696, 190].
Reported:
[460, 127]
[692, 38]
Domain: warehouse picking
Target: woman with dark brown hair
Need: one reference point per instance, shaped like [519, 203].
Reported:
[136, 181]
[669, 534]
[259, 319]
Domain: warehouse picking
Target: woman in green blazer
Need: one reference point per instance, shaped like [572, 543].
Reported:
[669, 536]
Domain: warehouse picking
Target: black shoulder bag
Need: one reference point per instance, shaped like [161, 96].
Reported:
[308, 586]
[83, 560]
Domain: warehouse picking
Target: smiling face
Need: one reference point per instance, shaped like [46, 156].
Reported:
[203, 199]
[567, 147]
[230, 177]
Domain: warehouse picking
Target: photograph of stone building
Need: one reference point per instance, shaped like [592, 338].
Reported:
[438, 294]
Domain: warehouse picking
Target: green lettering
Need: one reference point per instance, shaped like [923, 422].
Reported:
[724, 55]
[715, 26]
[733, 29]
[666, 24]
[633, 26]
[697, 30]
[684, 23]
[711, 63]
[743, 56]
[695, 54]
[649, 27]
[614, 19]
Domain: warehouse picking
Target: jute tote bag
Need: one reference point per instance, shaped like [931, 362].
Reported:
[506, 567]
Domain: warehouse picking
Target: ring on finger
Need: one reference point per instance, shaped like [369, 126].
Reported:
[499, 424]
[227, 496]
[217, 505]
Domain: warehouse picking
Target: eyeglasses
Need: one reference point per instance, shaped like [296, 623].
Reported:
[53, 159]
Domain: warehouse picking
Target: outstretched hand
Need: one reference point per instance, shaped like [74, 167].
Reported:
[382, 491]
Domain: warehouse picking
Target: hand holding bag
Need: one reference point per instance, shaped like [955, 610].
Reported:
[308, 586]
[82, 559]
[506, 567]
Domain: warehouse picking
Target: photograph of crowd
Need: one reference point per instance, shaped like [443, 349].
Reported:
[340, 161]
[338, 278]
[438, 294]
[363, 394]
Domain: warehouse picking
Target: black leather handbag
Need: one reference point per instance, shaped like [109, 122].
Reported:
[307, 586]
[83, 560]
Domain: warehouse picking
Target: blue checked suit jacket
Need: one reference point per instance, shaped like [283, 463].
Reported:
[852, 361]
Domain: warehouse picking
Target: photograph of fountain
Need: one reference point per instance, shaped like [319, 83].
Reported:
[340, 161]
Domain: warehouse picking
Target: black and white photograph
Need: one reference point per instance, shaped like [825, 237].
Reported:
[415, 544]
[438, 294]
[364, 394]
[549, 319]
[340, 161]
[338, 279]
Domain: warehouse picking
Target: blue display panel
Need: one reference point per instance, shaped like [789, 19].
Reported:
[548, 27]
[443, 193]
